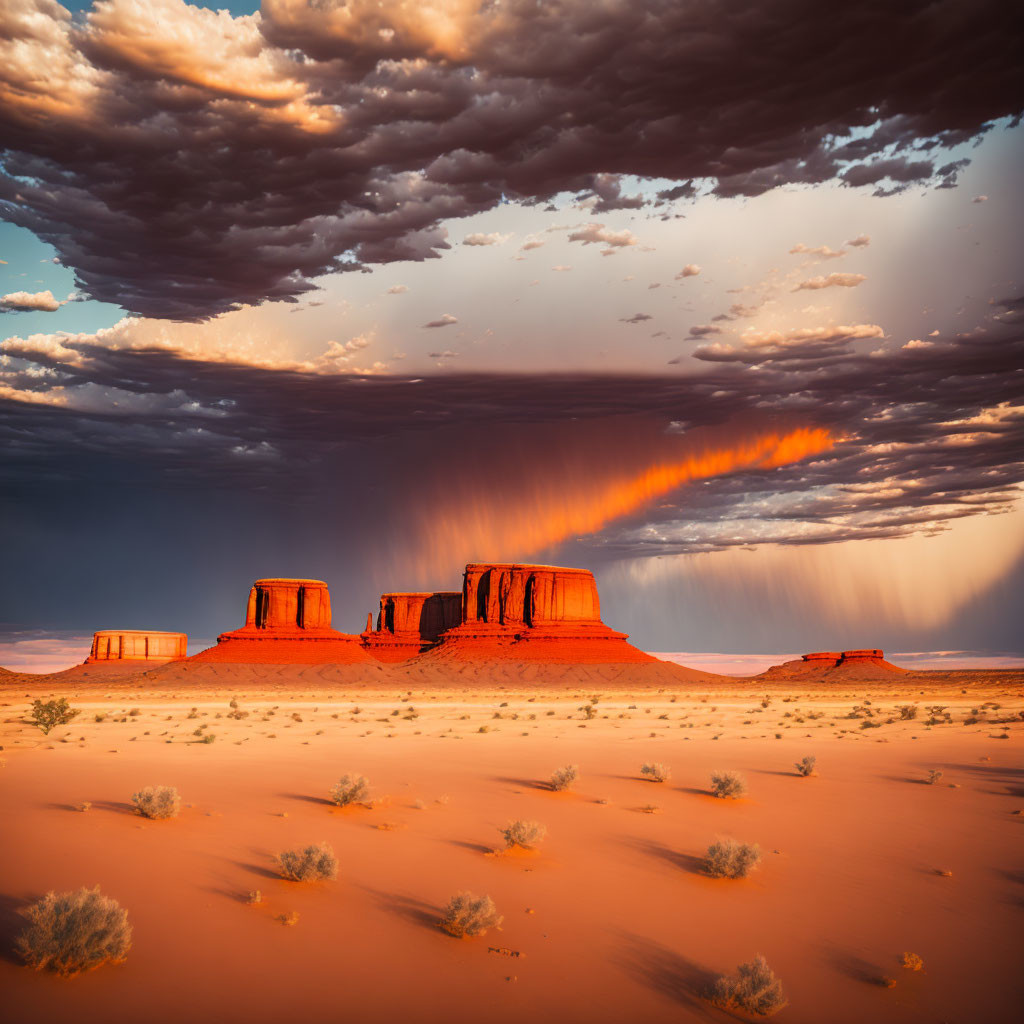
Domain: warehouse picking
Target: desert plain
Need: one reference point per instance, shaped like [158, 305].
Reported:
[612, 918]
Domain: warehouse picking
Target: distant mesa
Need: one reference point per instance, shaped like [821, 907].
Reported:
[839, 658]
[835, 666]
[410, 622]
[287, 621]
[137, 645]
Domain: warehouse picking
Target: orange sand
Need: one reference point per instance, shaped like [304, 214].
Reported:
[623, 927]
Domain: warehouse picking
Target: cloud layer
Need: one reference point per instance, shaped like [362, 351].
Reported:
[184, 162]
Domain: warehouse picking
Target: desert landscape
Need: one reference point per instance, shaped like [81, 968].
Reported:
[512, 512]
[904, 839]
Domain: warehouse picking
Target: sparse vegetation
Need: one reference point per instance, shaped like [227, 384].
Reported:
[729, 785]
[805, 766]
[48, 714]
[255, 896]
[565, 778]
[908, 712]
[727, 858]
[527, 834]
[933, 776]
[157, 802]
[753, 989]
[912, 962]
[310, 864]
[469, 915]
[208, 737]
[655, 772]
[70, 932]
[350, 789]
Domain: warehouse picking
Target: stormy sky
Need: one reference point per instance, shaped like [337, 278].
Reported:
[721, 300]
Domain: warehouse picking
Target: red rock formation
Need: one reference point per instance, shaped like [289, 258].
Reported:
[834, 666]
[870, 654]
[137, 645]
[407, 623]
[534, 613]
[287, 621]
[830, 656]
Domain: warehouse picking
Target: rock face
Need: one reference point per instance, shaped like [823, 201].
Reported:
[137, 645]
[286, 621]
[409, 622]
[533, 613]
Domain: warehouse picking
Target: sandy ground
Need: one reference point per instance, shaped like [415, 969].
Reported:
[612, 919]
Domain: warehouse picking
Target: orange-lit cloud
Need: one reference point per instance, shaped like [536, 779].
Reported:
[554, 505]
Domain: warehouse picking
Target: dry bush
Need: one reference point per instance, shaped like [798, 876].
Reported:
[933, 776]
[655, 772]
[310, 864]
[468, 915]
[728, 784]
[70, 932]
[157, 802]
[48, 714]
[527, 834]
[753, 989]
[805, 766]
[565, 778]
[727, 858]
[912, 962]
[350, 789]
[908, 712]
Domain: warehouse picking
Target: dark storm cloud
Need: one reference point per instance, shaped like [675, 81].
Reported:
[929, 432]
[184, 163]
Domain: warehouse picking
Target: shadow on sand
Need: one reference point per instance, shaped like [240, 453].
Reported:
[12, 924]
[413, 910]
[682, 861]
[523, 783]
[669, 973]
[320, 801]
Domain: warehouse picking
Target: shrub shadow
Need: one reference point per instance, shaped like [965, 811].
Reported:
[682, 861]
[116, 807]
[854, 967]
[523, 783]
[320, 800]
[60, 807]
[256, 869]
[474, 847]
[411, 909]
[12, 924]
[667, 972]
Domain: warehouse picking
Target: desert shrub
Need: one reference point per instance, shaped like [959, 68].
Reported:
[805, 766]
[912, 962]
[727, 858]
[528, 834]
[208, 738]
[70, 932]
[728, 784]
[157, 802]
[48, 714]
[655, 772]
[933, 776]
[565, 778]
[470, 915]
[907, 712]
[310, 864]
[350, 789]
[753, 989]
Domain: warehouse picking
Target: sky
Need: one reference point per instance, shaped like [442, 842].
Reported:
[722, 301]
